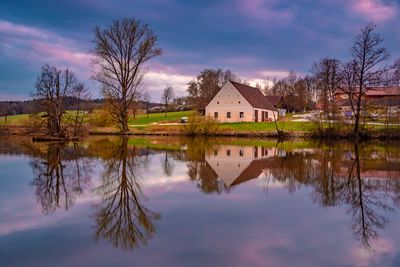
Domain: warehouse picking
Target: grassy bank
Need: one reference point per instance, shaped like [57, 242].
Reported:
[142, 119]
[159, 124]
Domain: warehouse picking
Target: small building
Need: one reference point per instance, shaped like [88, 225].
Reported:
[381, 101]
[237, 102]
[277, 102]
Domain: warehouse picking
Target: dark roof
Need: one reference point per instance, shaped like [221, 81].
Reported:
[274, 99]
[253, 96]
[254, 170]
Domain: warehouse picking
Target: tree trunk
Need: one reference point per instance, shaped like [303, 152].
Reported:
[124, 121]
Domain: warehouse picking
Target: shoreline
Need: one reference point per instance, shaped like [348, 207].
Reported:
[388, 135]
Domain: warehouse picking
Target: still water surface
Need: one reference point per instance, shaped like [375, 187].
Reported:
[109, 201]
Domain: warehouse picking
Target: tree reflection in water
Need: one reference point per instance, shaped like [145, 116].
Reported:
[362, 179]
[121, 217]
[339, 178]
[61, 173]
[354, 177]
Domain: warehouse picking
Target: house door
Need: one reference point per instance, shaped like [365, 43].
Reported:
[256, 115]
[262, 116]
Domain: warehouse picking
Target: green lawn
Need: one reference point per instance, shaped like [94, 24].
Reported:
[14, 119]
[159, 117]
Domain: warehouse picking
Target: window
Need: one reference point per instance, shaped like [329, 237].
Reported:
[216, 115]
[241, 152]
[241, 115]
[228, 152]
[266, 115]
[228, 115]
[239, 102]
[215, 152]
[217, 102]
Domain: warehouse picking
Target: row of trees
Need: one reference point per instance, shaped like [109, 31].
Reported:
[367, 67]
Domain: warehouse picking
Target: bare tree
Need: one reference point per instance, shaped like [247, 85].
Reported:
[396, 72]
[206, 86]
[147, 99]
[327, 75]
[121, 51]
[53, 87]
[4, 112]
[364, 70]
[167, 97]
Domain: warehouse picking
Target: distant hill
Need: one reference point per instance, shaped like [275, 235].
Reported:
[32, 106]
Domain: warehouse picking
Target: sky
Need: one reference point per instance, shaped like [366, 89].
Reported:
[256, 39]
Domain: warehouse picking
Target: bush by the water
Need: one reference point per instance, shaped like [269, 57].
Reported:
[201, 125]
[100, 118]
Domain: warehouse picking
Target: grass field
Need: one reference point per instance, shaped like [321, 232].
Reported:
[159, 117]
[141, 119]
[142, 122]
[14, 119]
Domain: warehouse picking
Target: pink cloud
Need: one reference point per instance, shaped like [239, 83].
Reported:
[375, 10]
[63, 55]
[15, 30]
[37, 45]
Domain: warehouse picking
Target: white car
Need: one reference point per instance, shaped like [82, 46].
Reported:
[184, 119]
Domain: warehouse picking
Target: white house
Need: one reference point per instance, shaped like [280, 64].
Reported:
[237, 102]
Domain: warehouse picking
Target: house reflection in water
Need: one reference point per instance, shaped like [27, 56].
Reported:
[237, 164]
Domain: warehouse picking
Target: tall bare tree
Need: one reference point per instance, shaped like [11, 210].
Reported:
[121, 50]
[365, 70]
[167, 97]
[53, 87]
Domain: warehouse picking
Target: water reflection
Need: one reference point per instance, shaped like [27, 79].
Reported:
[61, 174]
[361, 179]
[121, 218]
[353, 177]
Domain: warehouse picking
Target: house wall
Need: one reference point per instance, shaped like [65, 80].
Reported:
[228, 99]
[269, 117]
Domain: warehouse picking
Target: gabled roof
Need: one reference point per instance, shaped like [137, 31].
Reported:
[254, 96]
[273, 99]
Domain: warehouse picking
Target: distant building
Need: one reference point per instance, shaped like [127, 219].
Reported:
[375, 97]
[277, 102]
[237, 102]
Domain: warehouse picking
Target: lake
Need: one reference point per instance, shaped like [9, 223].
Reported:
[164, 201]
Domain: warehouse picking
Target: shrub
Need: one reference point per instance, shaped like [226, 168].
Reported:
[200, 125]
[100, 118]
[36, 123]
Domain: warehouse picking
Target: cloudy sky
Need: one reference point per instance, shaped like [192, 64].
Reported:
[257, 39]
